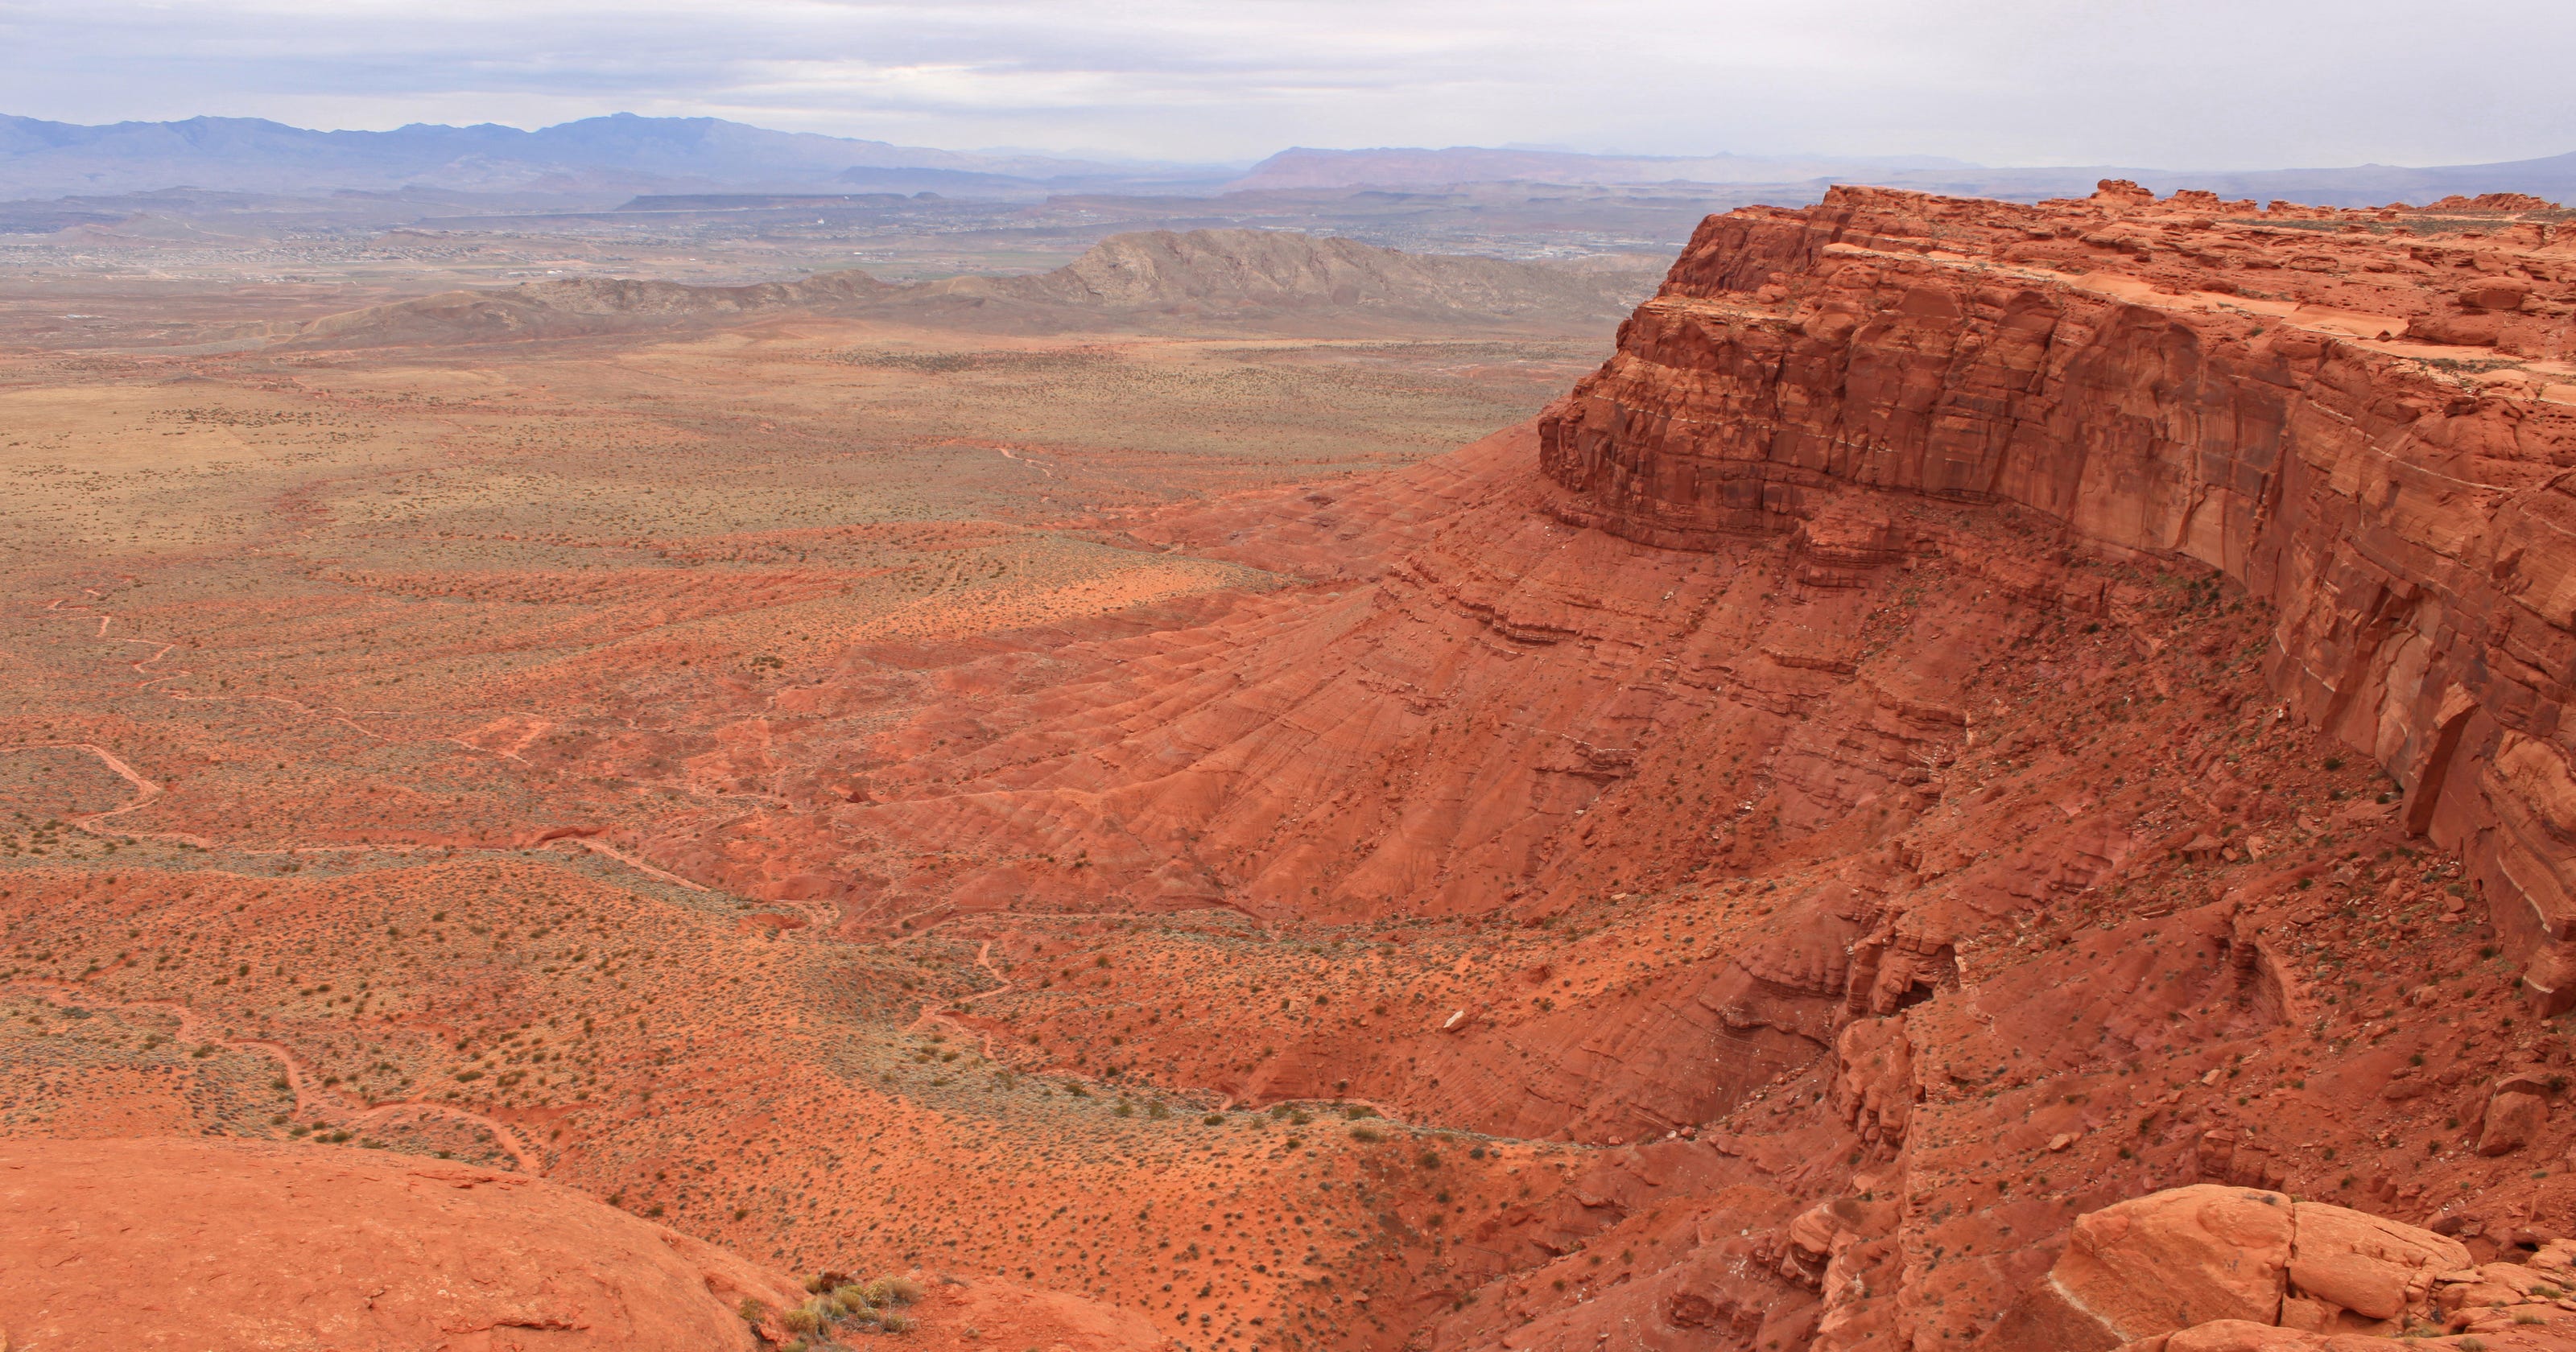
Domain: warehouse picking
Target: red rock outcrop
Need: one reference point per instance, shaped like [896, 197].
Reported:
[2283, 405]
[2207, 1268]
[2155, 1265]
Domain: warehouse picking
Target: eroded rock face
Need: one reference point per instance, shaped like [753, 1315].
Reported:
[2163, 381]
[2213, 1267]
[184, 1243]
[2376, 1268]
[2160, 1263]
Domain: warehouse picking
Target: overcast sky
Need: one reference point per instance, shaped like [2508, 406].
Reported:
[2169, 83]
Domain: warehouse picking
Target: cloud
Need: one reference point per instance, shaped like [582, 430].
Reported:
[2197, 83]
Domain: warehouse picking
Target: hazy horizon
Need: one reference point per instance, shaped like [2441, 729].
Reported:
[2005, 83]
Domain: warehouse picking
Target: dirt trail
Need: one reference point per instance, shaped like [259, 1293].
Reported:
[148, 790]
[933, 1018]
[608, 851]
[308, 1097]
[340, 716]
[144, 790]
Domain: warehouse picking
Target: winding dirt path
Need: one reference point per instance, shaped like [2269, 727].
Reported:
[144, 790]
[309, 1098]
[818, 918]
[931, 1018]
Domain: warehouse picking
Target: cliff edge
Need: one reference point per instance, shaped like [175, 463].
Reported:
[2367, 418]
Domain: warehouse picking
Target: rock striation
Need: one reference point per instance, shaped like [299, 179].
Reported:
[2209, 1266]
[2368, 425]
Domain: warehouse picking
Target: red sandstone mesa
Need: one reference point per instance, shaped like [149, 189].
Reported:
[2281, 405]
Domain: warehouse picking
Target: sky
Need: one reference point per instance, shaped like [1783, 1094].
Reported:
[2211, 84]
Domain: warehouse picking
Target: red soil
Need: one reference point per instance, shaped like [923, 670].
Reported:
[177, 1243]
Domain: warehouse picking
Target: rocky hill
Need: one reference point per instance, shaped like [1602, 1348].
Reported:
[1252, 280]
[1284, 278]
[576, 306]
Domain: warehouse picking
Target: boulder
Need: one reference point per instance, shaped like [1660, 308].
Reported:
[2157, 1264]
[2495, 293]
[2222, 1269]
[2474, 329]
[2374, 1267]
[2488, 1284]
[1873, 1080]
[2514, 1118]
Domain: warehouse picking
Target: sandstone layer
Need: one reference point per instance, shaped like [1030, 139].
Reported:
[2286, 404]
[2208, 1267]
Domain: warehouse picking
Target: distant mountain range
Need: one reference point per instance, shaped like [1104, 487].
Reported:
[621, 153]
[625, 153]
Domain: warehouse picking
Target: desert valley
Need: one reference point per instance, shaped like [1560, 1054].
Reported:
[1910, 771]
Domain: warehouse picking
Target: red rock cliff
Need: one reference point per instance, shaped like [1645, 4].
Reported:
[2365, 417]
